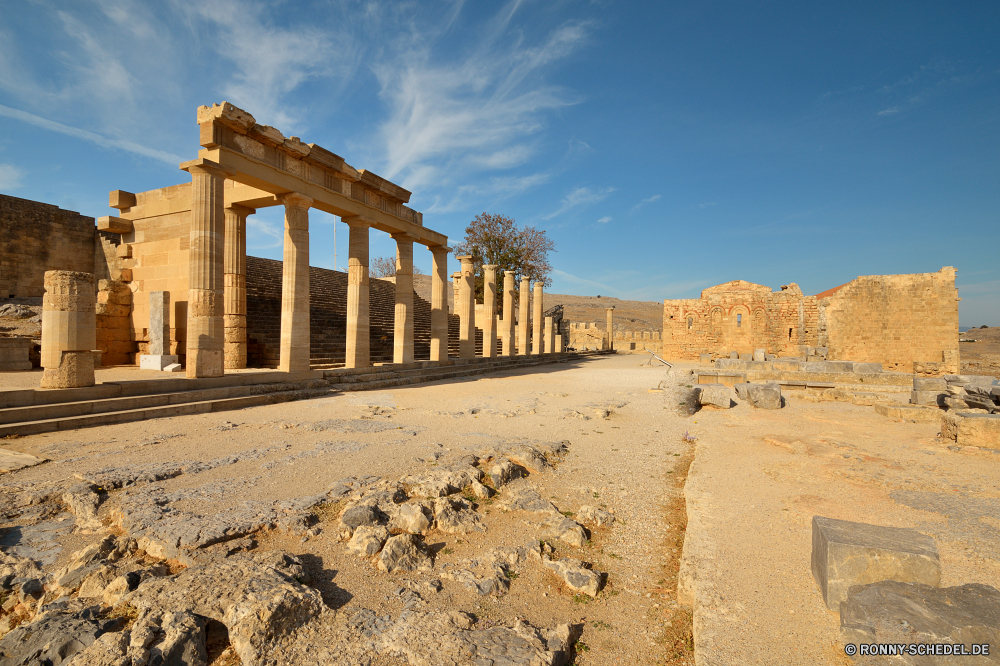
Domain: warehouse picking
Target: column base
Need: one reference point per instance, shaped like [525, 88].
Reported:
[157, 361]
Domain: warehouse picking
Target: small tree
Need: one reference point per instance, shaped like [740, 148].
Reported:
[383, 267]
[496, 239]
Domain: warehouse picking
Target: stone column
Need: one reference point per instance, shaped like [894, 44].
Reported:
[507, 329]
[402, 338]
[159, 356]
[611, 332]
[235, 281]
[439, 303]
[69, 329]
[205, 328]
[295, 334]
[467, 310]
[536, 323]
[489, 310]
[358, 342]
[559, 345]
[456, 285]
[522, 325]
[548, 336]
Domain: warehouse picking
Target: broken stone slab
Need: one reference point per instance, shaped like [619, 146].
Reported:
[936, 384]
[595, 516]
[494, 581]
[258, 597]
[891, 612]
[404, 552]
[54, 639]
[969, 429]
[11, 461]
[917, 413]
[926, 398]
[715, 395]
[576, 574]
[367, 540]
[846, 553]
[764, 396]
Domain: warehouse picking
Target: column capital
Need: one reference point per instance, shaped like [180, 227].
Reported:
[611, 309]
[525, 279]
[295, 200]
[201, 165]
[403, 237]
[465, 258]
[358, 221]
[439, 248]
[240, 209]
[489, 267]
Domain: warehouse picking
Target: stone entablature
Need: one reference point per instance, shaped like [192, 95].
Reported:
[895, 320]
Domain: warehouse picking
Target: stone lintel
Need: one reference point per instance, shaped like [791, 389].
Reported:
[384, 186]
[359, 221]
[114, 225]
[295, 200]
[202, 164]
[121, 199]
[404, 237]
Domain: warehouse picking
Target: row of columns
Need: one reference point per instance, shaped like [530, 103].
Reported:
[216, 327]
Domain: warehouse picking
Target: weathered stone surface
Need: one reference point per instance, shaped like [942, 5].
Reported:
[410, 518]
[894, 612]
[480, 491]
[367, 541]
[504, 472]
[927, 398]
[595, 516]
[258, 598]
[53, 639]
[404, 552]
[715, 395]
[761, 396]
[972, 429]
[83, 503]
[846, 553]
[758, 354]
[576, 574]
[362, 514]
[936, 384]
[481, 578]
[455, 517]
[561, 528]
[11, 461]
[908, 412]
[529, 458]
[522, 496]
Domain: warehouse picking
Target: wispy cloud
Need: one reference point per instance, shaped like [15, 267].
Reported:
[888, 112]
[707, 204]
[261, 235]
[86, 135]
[605, 219]
[475, 111]
[655, 197]
[10, 177]
[492, 190]
[581, 196]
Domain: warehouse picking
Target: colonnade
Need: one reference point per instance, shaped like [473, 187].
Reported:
[217, 311]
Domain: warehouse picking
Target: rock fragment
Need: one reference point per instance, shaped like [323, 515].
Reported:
[410, 518]
[595, 516]
[367, 540]
[715, 395]
[404, 552]
[455, 517]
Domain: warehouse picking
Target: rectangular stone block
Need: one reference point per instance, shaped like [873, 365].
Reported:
[734, 355]
[929, 398]
[14, 354]
[867, 368]
[715, 395]
[759, 354]
[918, 413]
[846, 553]
[839, 366]
[972, 429]
[746, 357]
[705, 358]
[936, 384]
[156, 361]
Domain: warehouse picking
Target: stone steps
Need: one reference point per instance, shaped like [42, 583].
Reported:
[30, 411]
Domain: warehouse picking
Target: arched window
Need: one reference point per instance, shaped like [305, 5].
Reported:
[739, 320]
[690, 323]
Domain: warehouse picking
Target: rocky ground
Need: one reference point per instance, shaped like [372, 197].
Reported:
[21, 317]
[980, 351]
[519, 518]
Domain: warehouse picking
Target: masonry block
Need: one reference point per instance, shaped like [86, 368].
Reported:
[846, 553]
[715, 395]
[968, 429]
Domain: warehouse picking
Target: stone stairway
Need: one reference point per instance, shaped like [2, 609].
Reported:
[32, 411]
[328, 318]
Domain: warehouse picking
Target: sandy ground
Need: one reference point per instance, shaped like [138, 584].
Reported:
[625, 443]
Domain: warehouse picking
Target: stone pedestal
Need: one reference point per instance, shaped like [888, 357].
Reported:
[69, 329]
[559, 344]
[507, 327]
[439, 303]
[611, 328]
[294, 354]
[14, 354]
[358, 344]
[159, 333]
[205, 327]
[549, 332]
[456, 285]
[235, 286]
[467, 310]
[536, 320]
[489, 310]
[402, 339]
[522, 325]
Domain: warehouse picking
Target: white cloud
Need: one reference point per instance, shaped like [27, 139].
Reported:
[261, 235]
[581, 196]
[10, 177]
[86, 135]
[494, 189]
[642, 203]
[605, 219]
[707, 204]
[888, 112]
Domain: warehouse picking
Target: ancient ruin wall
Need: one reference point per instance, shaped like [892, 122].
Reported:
[895, 320]
[739, 316]
[36, 237]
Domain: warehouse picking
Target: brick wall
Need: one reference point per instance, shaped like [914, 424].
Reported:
[36, 237]
[895, 320]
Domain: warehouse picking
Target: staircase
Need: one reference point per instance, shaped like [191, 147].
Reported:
[328, 318]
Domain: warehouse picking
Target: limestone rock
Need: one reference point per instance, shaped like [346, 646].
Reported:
[361, 514]
[504, 472]
[576, 574]
[529, 458]
[846, 553]
[927, 398]
[119, 587]
[404, 552]
[53, 639]
[715, 395]
[522, 496]
[764, 396]
[595, 516]
[258, 598]
[367, 540]
[493, 581]
[561, 528]
[480, 491]
[453, 517]
[894, 612]
[972, 429]
[410, 518]
[83, 503]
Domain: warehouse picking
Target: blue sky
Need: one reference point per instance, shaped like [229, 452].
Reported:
[665, 147]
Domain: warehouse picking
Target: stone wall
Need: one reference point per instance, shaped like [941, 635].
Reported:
[895, 320]
[115, 337]
[36, 237]
[593, 335]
